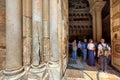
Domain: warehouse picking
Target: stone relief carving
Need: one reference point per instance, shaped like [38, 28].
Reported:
[117, 48]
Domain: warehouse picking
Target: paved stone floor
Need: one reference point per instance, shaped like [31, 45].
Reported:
[79, 70]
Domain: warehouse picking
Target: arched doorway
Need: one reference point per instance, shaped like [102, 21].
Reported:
[80, 21]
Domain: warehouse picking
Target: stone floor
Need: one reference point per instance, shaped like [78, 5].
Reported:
[79, 70]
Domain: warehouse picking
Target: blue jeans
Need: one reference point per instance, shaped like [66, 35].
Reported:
[74, 54]
[84, 54]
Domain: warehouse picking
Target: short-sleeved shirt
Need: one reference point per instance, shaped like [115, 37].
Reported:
[79, 45]
[105, 45]
[74, 46]
[90, 46]
[84, 45]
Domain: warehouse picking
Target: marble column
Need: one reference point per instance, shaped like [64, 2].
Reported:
[54, 31]
[60, 26]
[98, 23]
[97, 8]
[94, 25]
[27, 20]
[46, 32]
[13, 36]
[36, 32]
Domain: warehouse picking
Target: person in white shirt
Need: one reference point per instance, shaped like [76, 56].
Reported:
[102, 56]
[91, 56]
[79, 48]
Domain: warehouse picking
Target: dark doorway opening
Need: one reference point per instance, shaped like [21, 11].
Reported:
[80, 21]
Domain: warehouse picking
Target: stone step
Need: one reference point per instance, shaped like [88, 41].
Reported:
[72, 74]
[72, 78]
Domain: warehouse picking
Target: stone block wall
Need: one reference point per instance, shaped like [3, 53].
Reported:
[2, 33]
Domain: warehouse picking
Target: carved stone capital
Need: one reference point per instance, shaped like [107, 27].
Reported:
[92, 12]
[97, 6]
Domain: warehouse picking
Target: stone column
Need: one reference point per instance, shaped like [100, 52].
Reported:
[94, 24]
[27, 20]
[54, 31]
[46, 33]
[98, 23]
[97, 8]
[60, 26]
[36, 31]
[13, 37]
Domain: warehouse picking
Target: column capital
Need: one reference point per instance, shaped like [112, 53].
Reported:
[92, 12]
[97, 6]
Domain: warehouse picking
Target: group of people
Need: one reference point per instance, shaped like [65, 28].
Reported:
[89, 50]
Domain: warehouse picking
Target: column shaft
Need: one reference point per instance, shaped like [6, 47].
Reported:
[96, 10]
[13, 35]
[94, 25]
[46, 36]
[98, 24]
[27, 20]
[54, 31]
[36, 31]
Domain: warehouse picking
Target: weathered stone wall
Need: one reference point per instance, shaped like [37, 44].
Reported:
[64, 26]
[2, 23]
[115, 32]
[53, 39]
[2, 33]
[44, 25]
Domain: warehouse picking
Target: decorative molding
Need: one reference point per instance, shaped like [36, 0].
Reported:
[10, 73]
[117, 48]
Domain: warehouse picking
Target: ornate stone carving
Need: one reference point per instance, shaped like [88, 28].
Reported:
[115, 29]
[117, 48]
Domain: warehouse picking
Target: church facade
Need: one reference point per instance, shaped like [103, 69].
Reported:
[34, 36]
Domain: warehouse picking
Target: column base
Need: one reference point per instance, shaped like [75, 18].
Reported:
[20, 76]
[38, 73]
[53, 64]
[38, 69]
[54, 69]
[15, 72]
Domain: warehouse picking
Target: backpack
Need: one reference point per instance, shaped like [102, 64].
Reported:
[104, 51]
